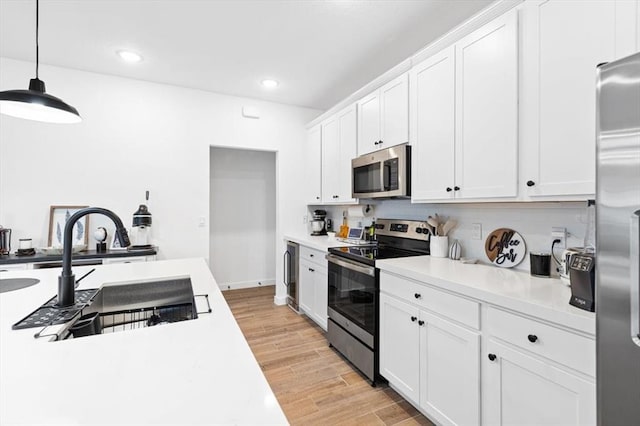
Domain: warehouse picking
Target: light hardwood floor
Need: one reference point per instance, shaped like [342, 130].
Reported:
[314, 385]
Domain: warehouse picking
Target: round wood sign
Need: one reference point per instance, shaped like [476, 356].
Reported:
[505, 248]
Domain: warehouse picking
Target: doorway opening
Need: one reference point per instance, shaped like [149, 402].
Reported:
[242, 217]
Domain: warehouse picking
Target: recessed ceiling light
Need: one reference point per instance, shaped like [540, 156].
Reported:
[129, 56]
[269, 84]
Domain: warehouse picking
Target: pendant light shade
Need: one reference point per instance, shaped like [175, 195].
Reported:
[34, 103]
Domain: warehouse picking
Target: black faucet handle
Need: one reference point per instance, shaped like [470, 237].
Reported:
[123, 237]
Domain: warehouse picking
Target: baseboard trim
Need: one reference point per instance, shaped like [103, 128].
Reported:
[246, 284]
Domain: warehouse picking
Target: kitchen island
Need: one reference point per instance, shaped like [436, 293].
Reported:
[187, 373]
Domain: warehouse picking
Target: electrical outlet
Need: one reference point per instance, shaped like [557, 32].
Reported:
[559, 233]
[476, 231]
[201, 222]
[305, 219]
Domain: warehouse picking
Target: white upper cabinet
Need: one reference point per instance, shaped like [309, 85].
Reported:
[563, 43]
[339, 140]
[313, 165]
[464, 117]
[487, 110]
[394, 112]
[383, 116]
[432, 106]
[369, 123]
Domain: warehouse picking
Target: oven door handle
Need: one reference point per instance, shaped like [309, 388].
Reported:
[367, 270]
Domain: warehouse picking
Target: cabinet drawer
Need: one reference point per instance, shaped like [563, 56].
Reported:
[313, 255]
[572, 350]
[13, 267]
[457, 308]
[132, 259]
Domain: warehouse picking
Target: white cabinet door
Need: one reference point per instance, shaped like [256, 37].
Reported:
[433, 127]
[522, 390]
[320, 295]
[400, 346]
[449, 371]
[330, 159]
[306, 285]
[313, 165]
[348, 151]
[487, 110]
[564, 42]
[394, 112]
[369, 123]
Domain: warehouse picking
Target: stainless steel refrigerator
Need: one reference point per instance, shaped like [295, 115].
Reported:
[617, 239]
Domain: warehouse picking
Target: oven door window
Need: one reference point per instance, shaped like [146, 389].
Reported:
[366, 179]
[354, 295]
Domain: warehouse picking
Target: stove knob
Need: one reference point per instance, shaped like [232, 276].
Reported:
[425, 231]
[419, 230]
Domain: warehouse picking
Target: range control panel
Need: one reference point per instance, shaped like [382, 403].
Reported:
[414, 229]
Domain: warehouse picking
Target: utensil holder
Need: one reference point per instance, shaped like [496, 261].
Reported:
[439, 246]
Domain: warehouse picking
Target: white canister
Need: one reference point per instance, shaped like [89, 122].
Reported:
[439, 246]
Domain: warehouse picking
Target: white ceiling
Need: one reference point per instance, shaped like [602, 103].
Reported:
[319, 51]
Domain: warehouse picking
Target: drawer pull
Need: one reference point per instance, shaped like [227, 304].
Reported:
[311, 270]
[532, 338]
[417, 296]
[492, 357]
[311, 255]
[420, 323]
[414, 319]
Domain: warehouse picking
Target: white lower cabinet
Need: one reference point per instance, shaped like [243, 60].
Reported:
[400, 345]
[514, 370]
[520, 389]
[449, 371]
[431, 361]
[313, 296]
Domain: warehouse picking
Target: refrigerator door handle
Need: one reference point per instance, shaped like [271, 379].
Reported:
[635, 277]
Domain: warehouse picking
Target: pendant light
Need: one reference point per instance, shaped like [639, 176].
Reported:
[35, 104]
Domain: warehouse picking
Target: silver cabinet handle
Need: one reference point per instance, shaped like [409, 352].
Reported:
[635, 277]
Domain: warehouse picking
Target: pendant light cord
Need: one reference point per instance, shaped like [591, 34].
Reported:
[37, 29]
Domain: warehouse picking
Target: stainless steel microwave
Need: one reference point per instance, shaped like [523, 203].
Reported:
[382, 174]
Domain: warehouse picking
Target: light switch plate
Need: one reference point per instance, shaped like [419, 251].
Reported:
[476, 231]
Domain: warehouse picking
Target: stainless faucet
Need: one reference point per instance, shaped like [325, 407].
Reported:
[67, 281]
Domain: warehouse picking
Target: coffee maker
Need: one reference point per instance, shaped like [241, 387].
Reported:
[582, 275]
[5, 240]
[141, 229]
[319, 222]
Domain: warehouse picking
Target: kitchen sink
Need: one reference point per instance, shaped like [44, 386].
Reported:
[118, 307]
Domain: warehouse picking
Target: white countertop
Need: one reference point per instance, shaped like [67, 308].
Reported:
[192, 372]
[318, 242]
[545, 298]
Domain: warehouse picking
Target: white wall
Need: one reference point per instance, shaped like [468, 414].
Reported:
[137, 135]
[532, 220]
[242, 212]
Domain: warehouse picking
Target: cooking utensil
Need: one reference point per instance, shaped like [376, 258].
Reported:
[448, 226]
[434, 223]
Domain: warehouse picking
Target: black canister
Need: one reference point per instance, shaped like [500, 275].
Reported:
[540, 264]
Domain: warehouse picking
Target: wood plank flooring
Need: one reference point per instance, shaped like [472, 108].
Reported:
[314, 385]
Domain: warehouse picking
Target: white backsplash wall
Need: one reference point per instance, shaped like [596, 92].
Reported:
[532, 220]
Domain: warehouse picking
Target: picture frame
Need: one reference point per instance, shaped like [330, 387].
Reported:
[58, 216]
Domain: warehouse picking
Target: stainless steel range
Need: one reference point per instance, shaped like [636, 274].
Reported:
[354, 287]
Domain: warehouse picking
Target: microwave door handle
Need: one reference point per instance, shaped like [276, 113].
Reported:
[635, 277]
[386, 177]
